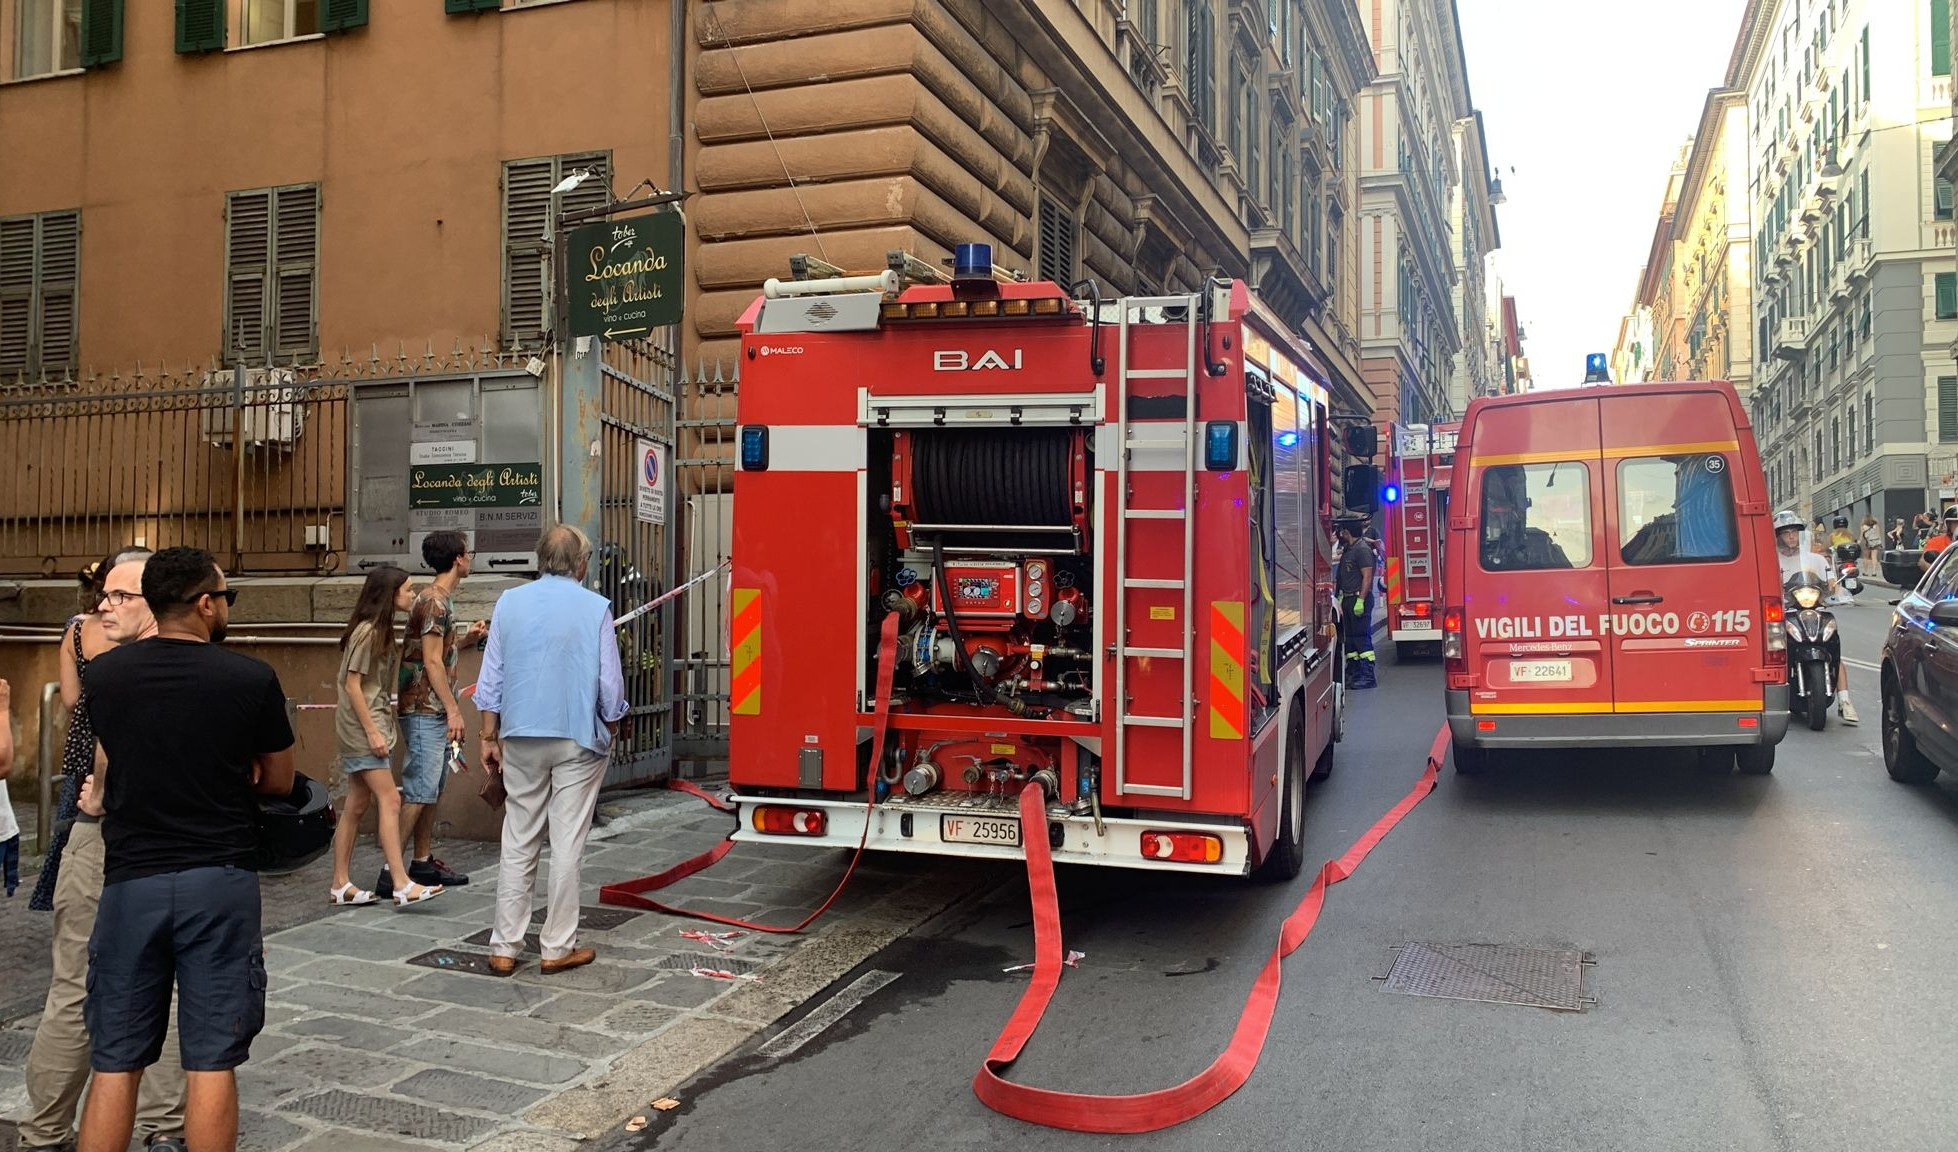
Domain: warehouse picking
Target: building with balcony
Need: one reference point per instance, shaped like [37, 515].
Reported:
[1472, 226]
[1855, 283]
[1712, 249]
[1410, 327]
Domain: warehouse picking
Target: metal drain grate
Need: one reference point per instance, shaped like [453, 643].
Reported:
[450, 960]
[1492, 973]
[687, 961]
[594, 919]
[396, 1117]
[482, 940]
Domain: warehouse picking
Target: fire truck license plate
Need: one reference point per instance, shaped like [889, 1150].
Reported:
[1419, 624]
[978, 830]
[1539, 671]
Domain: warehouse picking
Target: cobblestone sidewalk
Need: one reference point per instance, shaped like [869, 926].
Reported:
[379, 1035]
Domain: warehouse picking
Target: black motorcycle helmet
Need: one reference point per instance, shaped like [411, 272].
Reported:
[1841, 522]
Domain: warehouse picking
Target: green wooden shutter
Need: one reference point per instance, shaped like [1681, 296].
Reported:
[59, 283]
[1940, 37]
[1947, 409]
[248, 267]
[1947, 285]
[340, 15]
[17, 242]
[200, 26]
[101, 32]
[295, 273]
[458, 7]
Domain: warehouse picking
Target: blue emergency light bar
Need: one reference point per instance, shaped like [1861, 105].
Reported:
[1597, 369]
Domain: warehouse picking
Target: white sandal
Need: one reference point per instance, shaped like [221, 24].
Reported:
[348, 895]
[420, 892]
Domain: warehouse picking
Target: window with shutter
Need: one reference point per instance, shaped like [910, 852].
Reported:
[101, 32]
[295, 273]
[17, 261]
[1057, 241]
[340, 15]
[1942, 210]
[200, 25]
[40, 269]
[271, 302]
[1947, 409]
[1940, 37]
[1947, 294]
[527, 207]
[458, 7]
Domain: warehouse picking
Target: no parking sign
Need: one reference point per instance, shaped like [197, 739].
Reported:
[651, 467]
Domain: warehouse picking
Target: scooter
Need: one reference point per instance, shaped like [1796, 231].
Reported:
[1848, 576]
[1812, 646]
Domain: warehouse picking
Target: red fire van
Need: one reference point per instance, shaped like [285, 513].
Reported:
[1611, 578]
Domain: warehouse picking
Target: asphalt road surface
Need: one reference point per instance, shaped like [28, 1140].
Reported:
[1772, 970]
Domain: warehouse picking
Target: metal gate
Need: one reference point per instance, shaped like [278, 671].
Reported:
[633, 560]
[704, 474]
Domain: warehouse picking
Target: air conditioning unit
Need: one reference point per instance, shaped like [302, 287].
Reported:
[271, 416]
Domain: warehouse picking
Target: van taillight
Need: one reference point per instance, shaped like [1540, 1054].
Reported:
[1772, 617]
[1451, 639]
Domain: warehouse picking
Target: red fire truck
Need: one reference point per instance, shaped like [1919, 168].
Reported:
[1413, 534]
[1084, 542]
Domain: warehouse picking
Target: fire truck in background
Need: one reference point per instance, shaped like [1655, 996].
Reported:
[1085, 543]
[1413, 533]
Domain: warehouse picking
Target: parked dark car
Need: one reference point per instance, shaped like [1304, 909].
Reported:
[1920, 678]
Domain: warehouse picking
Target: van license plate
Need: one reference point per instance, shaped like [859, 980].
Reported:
[1418, 624]
[1539, 671]
[979, 830]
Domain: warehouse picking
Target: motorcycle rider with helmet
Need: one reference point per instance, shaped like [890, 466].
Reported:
[1795, 558]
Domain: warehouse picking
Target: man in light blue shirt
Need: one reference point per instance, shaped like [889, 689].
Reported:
[548, 719]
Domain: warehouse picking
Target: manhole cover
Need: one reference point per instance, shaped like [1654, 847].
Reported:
[1492, 973]
[450, 960]
[598, 919]
[482, 940]
[397, 1117]
[688, 961]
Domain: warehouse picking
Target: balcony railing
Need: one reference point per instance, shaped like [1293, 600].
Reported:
[1791, 339]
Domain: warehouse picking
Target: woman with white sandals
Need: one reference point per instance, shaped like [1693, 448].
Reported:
[365, 729]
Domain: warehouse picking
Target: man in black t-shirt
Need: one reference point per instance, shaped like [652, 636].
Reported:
[1354, 582]
[191, 732]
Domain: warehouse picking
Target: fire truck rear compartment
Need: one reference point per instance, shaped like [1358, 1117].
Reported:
[982, 544]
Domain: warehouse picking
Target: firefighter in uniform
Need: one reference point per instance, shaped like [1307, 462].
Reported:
[1354, 585]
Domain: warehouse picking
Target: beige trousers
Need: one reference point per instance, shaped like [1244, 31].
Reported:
[553, 788]
[57, 1067]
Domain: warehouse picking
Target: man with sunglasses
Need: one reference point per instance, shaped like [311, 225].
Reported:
[188, 733]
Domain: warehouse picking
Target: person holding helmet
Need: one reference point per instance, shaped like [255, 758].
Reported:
[1794, 558]
[1935, 545]
[1354, 586]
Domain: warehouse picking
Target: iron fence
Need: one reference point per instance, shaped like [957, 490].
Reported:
[250, 467]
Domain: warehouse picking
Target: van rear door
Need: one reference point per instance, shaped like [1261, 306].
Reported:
[1535, 580]
[1685, 595]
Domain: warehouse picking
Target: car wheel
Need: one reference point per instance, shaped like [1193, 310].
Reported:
[1287, 855]
[1755, 759]
[1471, 760]
[1901, 757]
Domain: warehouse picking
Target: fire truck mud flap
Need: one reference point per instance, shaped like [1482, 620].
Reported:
[1619, 729]
[944, 830]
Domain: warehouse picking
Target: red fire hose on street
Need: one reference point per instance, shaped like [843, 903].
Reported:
[1078, 1112]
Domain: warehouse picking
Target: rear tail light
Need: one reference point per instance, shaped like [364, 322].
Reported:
[1184, 847]
[1774, 628]
[1423, 609]
[773, 820]
[1451, 639]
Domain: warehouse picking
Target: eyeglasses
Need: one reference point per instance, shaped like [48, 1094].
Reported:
[228, 595]
[116, 598]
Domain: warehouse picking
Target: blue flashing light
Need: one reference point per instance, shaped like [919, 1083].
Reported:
[1597, 369]
[1220, 446]
[1288, 439]
[972, 262]
[1391, 493]
[754, 447]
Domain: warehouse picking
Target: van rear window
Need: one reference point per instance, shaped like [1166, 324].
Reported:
[1536, 516]
[1676, 510]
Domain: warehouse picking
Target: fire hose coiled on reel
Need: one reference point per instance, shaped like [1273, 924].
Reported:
[1004, 477]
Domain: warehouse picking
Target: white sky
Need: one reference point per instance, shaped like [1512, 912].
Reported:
[1590, 103]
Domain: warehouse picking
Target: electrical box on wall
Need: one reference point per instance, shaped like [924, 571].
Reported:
[447, 452]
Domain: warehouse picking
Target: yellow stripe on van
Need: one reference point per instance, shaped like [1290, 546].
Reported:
[1560, 457]
[1690, 706]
